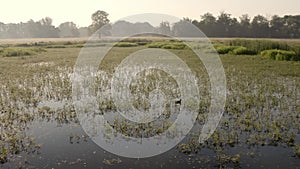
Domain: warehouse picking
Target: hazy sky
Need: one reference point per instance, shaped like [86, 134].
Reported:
[79, 11]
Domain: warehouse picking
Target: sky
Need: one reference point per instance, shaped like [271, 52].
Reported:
[79, 11]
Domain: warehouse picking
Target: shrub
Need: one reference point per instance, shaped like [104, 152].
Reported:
[222, 49]
[156, 45]
[270, 54]
[243, 51]
[280, 55]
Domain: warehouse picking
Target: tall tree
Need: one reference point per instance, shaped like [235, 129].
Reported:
[47, 21]
[277, 26]
[225, 25]
[260, 27]
[46, 29]
[99, 19]
[208, 24]
[292, 26]
[245, 23]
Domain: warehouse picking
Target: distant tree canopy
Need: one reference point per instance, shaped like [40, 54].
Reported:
[124, 28]
[68, 29]
[185, 28]
[30, 29]
[223, 25]
[164, 28]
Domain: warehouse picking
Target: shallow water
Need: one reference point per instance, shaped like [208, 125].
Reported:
[60, 152]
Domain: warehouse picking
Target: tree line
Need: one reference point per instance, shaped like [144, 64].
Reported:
[223, 25]
[41, 29]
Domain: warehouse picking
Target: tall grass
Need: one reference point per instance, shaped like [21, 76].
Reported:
[296, 49]
[276, 50]
[259, 45]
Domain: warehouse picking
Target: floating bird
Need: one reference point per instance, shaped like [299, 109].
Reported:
[178, 101]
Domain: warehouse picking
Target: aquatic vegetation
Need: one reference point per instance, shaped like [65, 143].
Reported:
[191, 147]
[112, 161]
[262, 109]
[75, 138]
[222, 49]
[225, 160]
[280, 55]
[243, 51]
[297, 150]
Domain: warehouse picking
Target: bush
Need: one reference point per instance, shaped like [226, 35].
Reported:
[174, 46]
[270, 54]
[222, 49]
[243, 51]
[13, 52]
[126, 44]
[280, 55]
[156, 45]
